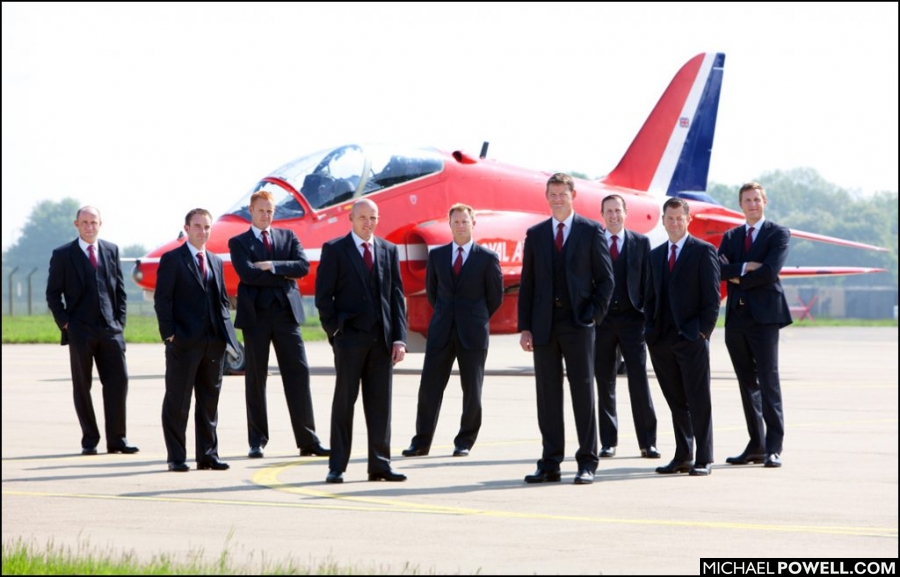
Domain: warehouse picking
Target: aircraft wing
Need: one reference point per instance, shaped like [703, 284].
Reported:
[811, 271]
[724, 222]
[715, 225]
[838, 241]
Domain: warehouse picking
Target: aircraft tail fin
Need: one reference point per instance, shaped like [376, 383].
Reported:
[672, 150]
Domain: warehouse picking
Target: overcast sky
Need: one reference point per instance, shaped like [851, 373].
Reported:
[149, 110]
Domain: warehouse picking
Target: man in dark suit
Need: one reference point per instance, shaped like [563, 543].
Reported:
[359, 294]
[268, 262]
[566, 286]
[623, 329]
[680, 309]
[464, 284]
[195, 324]
[86, 294]
[752, 256]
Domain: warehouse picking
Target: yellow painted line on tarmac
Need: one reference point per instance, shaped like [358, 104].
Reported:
[268, 477]
[394, 506]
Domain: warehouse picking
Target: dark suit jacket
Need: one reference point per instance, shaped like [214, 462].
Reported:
[467, 301]
[290, 264]
[693, 290]
[66, 282]
[637, 254]
[181, 300]
[760, 289]
[341, 295]
[589, 275]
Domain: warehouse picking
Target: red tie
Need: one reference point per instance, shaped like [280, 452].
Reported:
[202, 264]
[367, 257]
[748, 240]
[266, 243]
[92, 255]
[559, 236]
[614, 248]
[457, 265]
[672, 257]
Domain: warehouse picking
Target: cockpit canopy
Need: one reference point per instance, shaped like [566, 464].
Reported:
[338, 175]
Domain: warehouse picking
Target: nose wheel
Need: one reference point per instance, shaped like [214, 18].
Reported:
[235, 361]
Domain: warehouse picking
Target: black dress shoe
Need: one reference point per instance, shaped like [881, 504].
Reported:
[773, 460]
[124, 449]
[650, 452]
[701, 470]
[180, 467]
[334, 477]
[89, 451]
[318, 450]
[607, 452]
[460, 452]
[214, 464]
[389, 475]
[675, 466]
[584, 477]
[255, 453]
[543, 476]
[414, 452]
[746, 458]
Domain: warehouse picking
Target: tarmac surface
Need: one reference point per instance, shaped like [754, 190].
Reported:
[835, 496]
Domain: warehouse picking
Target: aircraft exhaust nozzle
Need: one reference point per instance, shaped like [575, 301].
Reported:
[463, 158]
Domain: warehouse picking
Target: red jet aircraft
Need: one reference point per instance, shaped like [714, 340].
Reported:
[414, 188]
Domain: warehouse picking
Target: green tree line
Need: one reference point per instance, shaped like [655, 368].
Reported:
[802, 200]
[51, 224]
[799, 198]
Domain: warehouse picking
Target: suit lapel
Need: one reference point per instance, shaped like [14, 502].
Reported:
[106, 258]
[743, 242]
[277, 240]
[682, 256]
[763, 233]
[213, 264]
[443, 256]
[353, 254]
[192, 265]
[632, 258]
[544, 247]
[77, 256]
[627, 246]
[255, 247]
[380, 255]
[658, 267]
[574, 236]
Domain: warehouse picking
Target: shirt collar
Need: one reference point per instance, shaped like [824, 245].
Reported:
[680, 243]
[756, 226]
[620, 235]
[194, 251]
[567, 222]
[466, 247]
[357, 240]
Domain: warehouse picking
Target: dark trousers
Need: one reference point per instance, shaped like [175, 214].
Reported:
[682, 369]
[277, 327]
[753, 349]
[436, 369]
[196, 369]
[107, 348]
[624, 331]
[575, 345]
[362, 360]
